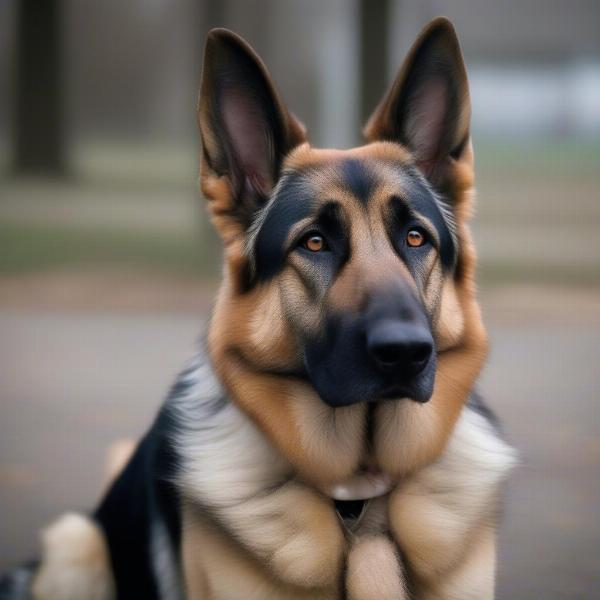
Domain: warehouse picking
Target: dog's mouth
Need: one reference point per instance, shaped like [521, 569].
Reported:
[350, 511]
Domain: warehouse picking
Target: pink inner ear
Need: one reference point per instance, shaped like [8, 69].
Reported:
[425, 124]
[250, 138]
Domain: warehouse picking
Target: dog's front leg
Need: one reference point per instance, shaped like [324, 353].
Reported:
[473, 578]
[373, 569]
[292, 531]
[450, 556]
[233, 479]
[374, 572]
[443, 517]
[295, 531]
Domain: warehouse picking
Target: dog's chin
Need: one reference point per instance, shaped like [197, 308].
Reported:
[351, 496]
[362, 485]
[420, 390]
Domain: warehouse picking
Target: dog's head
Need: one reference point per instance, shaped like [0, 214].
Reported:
[347, 271]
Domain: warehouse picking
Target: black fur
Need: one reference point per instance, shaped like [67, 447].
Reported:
[294, 201]
[358, 177]
[419, 200]
[143, 493]
[477, 404]
[232, 73]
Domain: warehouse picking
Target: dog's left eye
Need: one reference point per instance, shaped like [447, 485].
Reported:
[415, 238]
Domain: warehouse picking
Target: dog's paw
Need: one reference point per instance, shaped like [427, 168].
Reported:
[75, 562]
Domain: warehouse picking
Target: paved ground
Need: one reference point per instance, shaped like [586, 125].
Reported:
[72, 382]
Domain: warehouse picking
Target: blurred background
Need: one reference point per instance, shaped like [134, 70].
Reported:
[108, 265]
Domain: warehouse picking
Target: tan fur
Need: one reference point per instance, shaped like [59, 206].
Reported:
[305, 156]
[117, 457]
[374, 571]
[75, 563]
[439, 515]
[450, 323]
[296, 532]
[217, 569]
[282, 408]
[373, 264]
[472, 579]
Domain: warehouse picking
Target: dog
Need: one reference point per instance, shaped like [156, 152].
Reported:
[326, 442]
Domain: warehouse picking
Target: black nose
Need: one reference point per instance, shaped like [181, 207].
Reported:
[399, 346]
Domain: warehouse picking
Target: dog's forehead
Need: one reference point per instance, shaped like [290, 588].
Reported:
[362, 180]
[306, 156]
[357, 172]
[366, 178]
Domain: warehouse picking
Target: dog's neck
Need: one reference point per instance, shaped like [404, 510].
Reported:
[227, 459]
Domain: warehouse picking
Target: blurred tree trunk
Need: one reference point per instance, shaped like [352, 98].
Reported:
[38, 126]
[374, 27]
[212, 13]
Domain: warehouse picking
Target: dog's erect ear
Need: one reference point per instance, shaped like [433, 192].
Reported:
[427, 108]
[245, 128]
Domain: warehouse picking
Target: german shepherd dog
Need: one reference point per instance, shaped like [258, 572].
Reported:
[326, 441]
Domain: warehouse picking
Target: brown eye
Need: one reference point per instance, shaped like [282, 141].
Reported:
[314, 243]
[415, 238]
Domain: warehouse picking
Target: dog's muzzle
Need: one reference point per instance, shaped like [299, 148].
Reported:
[384, 352]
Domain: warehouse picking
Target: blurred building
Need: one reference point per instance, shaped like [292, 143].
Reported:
[131, 69]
